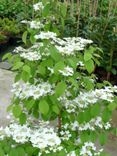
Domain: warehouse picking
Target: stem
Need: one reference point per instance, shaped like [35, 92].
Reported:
[59, 121]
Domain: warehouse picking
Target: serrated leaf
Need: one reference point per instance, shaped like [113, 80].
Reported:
[95, 110]
[22, 118]
[17, 65]
[55, 109]
[43, 107]
[87, 55]
[41, 70]
[27, 69]
[60, 88]
[17, 111]
[29, 104]
[24, 37]
[58, 66]
[55, 54]
[25, 76]
[90, 66]
[6, 56]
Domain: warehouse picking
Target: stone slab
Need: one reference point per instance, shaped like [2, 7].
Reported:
[6, 80]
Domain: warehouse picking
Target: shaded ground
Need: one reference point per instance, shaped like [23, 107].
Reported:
[6, 80]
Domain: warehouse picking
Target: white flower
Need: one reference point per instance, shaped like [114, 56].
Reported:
[67, 71]
[89, 149]
[26, 90]
[46, 35]
[38, 6]
[36, 25]
[107, 125]
[44, 138]
[31, 56]
[71, 153]
[80, 63]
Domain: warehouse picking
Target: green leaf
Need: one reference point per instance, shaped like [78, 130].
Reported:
[43, 107]
[29, 104]
[73, 62]
[87, 56]
[27, 69]
[59, 66]
[63, 9]
[106, 115]
[17, 111]
[24, 37]
[60, 88]
[7, 56]
[17, 65]
[95, 110]
[102, 138]
[21, 151]
[89, 84]
[22, 118]
[90, 66]
[80, 117]
[32, 39]
[112, 106]
[25, 76]
[41, 70]
[55, 54]
[13, 152]
[46, 10]
[56, 109]
[1, 152]
[87, 115]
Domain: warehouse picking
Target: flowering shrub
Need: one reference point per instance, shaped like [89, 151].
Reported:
[58, 108]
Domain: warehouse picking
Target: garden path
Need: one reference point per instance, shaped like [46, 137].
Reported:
[6, 80]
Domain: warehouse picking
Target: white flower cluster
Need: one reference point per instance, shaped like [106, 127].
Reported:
[65, 134]
[89, 149]
[46, 35]
[36, 25]
[2, 134]
[67, 71]
[91, 97]
[72, 153]
[91, 125]
[31, 54]
[69, 45]
[66, 46]
[38, 6]
[18, 133]
[85, 99]
[68, 104]
[26, 90]
[40, 136]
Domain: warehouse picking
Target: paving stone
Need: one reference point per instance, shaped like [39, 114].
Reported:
[5, 65]
[6, 80]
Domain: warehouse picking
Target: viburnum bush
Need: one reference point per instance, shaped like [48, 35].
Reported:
[57, 108]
